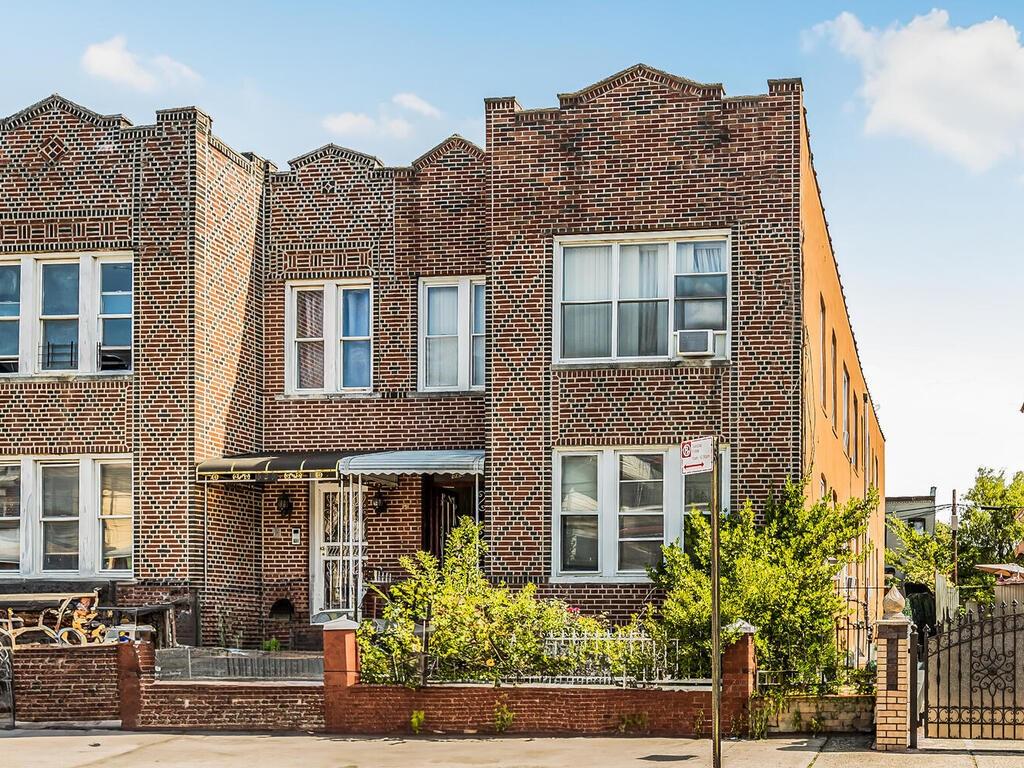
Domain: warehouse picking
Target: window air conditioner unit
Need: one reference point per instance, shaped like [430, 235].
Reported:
[695, 343]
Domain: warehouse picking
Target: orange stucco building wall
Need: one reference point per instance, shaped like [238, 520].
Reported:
[840, 463]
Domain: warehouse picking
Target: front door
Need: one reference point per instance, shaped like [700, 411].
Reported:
[339, 548]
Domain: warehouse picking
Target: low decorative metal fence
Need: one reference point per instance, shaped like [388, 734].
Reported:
[188, 663]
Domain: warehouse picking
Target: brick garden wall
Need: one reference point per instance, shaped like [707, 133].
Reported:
[66, 684]
[823, 714]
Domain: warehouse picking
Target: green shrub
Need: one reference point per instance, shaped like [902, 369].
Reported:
[503, 717]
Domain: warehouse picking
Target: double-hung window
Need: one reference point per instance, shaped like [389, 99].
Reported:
[453, 314]
[613, 510]
[329, 337]
[10, 316]
[61, 315]
[846, 411]
[10, 517]
[58, 315]
[641, 298]
[77, 520]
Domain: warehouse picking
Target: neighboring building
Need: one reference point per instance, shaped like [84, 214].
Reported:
[916, 511]
[267, 385]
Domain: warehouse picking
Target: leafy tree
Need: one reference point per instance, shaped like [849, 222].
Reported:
[778, 575]
[990, 530]
[923, 554]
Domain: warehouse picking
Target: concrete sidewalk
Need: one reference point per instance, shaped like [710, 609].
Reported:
[78, 749]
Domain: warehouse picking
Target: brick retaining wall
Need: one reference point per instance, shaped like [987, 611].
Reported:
[66, 684]
[823, 714]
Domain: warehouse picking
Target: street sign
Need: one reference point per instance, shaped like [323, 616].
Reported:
[698, 455]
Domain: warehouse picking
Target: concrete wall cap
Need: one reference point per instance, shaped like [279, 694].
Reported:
[341, 623]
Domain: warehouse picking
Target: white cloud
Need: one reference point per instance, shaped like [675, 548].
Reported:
[111, 60]
[361, 124]
[958, 89]
[415, 103]
[350, 124]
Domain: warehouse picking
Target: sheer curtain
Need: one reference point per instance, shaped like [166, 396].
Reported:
[643, 325]
[708, 257]
[587, 277]
[442, 341]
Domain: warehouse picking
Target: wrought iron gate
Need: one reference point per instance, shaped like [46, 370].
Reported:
[974, 676]
[6, 685]
[341, 531]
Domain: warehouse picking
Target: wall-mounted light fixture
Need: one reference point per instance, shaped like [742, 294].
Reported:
[284, 504]
[376, 503]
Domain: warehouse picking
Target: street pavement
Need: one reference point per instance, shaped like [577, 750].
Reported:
[78, 749]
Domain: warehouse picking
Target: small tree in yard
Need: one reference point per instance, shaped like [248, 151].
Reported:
[923, 554]
[778, 574]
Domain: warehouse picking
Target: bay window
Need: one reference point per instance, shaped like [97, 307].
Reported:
[452, 332]
[77, 522]
[329, 337]
[53, 309]
[626, 298]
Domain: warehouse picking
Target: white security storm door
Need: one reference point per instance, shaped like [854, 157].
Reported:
[339, 548]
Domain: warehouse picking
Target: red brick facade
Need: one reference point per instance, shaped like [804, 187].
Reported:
[216, 235]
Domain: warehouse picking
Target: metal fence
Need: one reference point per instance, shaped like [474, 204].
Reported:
[228, 664]
[605, 658]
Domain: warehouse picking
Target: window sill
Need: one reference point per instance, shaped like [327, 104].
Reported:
[598, 579]
[616, 364]
[362, 395]
[119, 576]
[57, 376]
[428, 393]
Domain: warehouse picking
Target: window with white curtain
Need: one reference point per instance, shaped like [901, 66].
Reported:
[76, 520]
[452, 347]
[10, 317]
[622, 299]
[329, 338]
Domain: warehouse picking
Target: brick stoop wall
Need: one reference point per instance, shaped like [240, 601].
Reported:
[66, 684]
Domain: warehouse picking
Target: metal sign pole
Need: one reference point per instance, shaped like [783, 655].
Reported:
[716, 651]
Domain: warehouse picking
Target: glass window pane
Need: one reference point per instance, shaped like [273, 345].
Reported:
[117, 304]
[60, 491]
[117, 332]
[117, 544]
[643, 329]
[355, 362]
[642, 526]
[587, 273]
[115, 489]
[309, 371]
[60, 289]
[643, 271]
[579, 543]
[9, 338]
[641, 497]
[700, 314]
[442, 361]
[479, 307]
[116, 278]
[443, 310]
[701, 257]
[60, 546]
[60, 344]
[647, 466]
[309, 314]
[638, 555]
[478, 361]
[355, 312]
[697, 492]
[10, 545]
[10, 290]
[586, 330]
[700, 286]
[579, 483]
[10, 491]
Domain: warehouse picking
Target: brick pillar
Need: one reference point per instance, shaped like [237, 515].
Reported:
[341, 669]
[134, 663]
[739, 669]
[892, 699]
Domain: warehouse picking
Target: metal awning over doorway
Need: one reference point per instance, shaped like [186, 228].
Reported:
[328, 465]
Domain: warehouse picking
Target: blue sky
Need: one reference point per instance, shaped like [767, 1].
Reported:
[916, 122]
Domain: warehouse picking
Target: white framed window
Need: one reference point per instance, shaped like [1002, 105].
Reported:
[329, 336]
[10, 316]
[624, 298]
[614, 508]
[452, 333]
[76, 521]
[61, 314]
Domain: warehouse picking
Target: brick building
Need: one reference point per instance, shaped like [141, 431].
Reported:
[266, 385]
